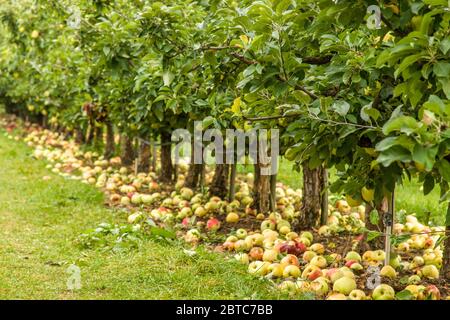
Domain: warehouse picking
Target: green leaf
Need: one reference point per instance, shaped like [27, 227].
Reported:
[445, 45]
[341, 107]
[396, 153]
[405, 124]
[160, 232]
[445, 83]
[404, 295]
[425, 155]
[444, 169]
[428, 184]
[407, 62]
[404, 141]
[442, 69]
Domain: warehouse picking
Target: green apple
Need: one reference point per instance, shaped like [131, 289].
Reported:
[242, 258]
[307, 235]
[383, 292]
[317, 248]
[320, 286]
[344, 285]
[324, 231]
[291, 271]
[241, 233]
[430, 272]
[270, 255]
[379, 255]
[259, 268]
[309, 255]
[337, 296]
[276, 270]
[352, 255]
[414, 279]
[268, 224]
[288, 287]
[319, 261]
[357, 295]
[334, 274]
[389, 272]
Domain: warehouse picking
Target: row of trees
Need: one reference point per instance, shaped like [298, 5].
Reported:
[364, 91]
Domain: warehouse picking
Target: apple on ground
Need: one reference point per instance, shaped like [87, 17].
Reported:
[383, 292]
[256, 253]
[311, 272]
[344, 285]
[213, 224]
[320, 286]
[241, 233]
[270, 255]
[232, 217]
[291, 271]
[276, 270]
[242, 258]
[357, 295]
[260, 268]
[317, 248]
[288, 287]
[290, 259]
[389, 272]
[337, 296]
[352, 255]
[430, 272]
[319, 261]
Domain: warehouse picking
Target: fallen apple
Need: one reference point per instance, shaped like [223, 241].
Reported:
[430, 272]
[291, 271]
[344, 285]
[232, 217]
[319, 261]
[357, 295]
[256, 253]
[383, 292]
[270, 255]
[213, 224]
[389, 272]
[320, 286]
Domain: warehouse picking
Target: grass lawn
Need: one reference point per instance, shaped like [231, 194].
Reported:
[39, 221]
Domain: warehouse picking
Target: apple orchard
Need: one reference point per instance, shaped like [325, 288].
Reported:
[97, 88]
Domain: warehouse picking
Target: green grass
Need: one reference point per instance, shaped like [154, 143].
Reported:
[39, 221]
[409, 196]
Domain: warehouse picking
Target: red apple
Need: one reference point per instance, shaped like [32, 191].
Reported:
[213, 224]
[256, 253]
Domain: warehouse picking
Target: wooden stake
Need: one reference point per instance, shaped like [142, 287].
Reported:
[273, 187]
[232, 190]
[389, 220]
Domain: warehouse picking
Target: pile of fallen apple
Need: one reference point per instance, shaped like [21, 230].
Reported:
[297, 263]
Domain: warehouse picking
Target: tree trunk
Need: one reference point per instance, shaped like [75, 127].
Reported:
[144, 157]
[98, 135]
[127, 150]
[194, 172]
[166, 158]
[377, 243]
[220, 180]
[90, 134]
[232, 182]
[261, 191]
[313, 187]
[110, 145]
[446, 256]
[79, 136]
